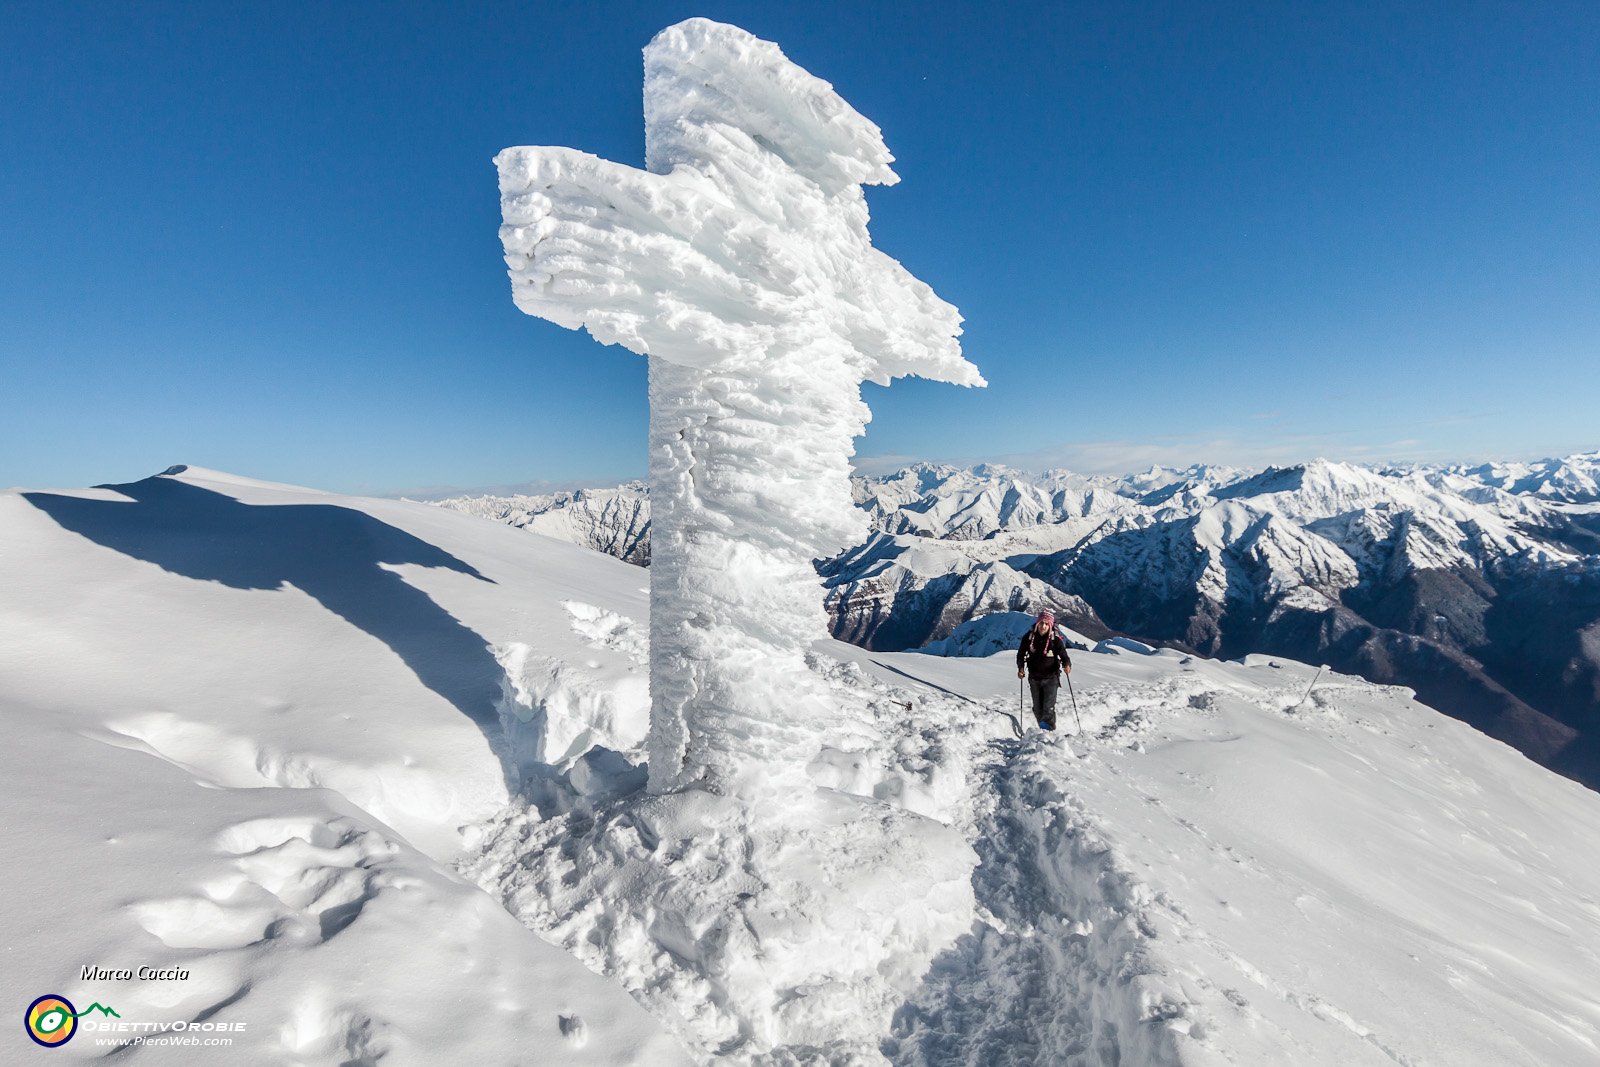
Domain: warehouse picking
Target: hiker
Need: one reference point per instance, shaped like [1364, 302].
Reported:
[1043, 654]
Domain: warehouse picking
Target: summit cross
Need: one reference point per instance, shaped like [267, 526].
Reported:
[739, 262]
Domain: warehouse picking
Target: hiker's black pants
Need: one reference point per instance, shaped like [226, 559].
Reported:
[1044, 698]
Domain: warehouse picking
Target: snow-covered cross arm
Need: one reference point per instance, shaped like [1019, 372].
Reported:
[740, 263]
[747, 237]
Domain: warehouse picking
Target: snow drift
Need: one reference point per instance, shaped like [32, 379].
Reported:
[250, 729]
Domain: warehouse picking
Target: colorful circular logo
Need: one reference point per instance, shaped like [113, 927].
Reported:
[51, 1020]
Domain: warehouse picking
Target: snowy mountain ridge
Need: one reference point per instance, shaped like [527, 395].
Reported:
[1477, 597]
[615, 521]
[955, 503]
[1475, 585]
[1574, 480]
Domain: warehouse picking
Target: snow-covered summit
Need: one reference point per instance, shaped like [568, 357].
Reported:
[972, 504]
[1573, 479]
[250, 779]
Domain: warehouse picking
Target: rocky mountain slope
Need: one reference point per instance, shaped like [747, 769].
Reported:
[1479, 587]
[615, 521]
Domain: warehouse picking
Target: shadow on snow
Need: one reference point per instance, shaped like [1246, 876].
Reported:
[333, 554]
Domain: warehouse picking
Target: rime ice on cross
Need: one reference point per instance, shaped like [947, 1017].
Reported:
[740, 263]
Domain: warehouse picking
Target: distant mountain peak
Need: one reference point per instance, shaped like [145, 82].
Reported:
[1387, 571]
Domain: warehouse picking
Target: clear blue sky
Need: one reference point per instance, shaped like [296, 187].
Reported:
[261, 237]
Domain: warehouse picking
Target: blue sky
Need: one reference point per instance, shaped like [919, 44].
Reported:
[262, 237]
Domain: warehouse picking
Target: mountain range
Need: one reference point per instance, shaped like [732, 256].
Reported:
[1476, 586]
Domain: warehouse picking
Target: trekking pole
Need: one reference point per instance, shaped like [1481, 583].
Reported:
[1074, 697]
[1310, 687]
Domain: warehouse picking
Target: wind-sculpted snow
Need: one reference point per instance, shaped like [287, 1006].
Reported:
[739, 262]
[253, 722]
[785, 940]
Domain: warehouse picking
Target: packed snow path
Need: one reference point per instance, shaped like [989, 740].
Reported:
[1221, 870]
[1036, 982]
[1214, 875]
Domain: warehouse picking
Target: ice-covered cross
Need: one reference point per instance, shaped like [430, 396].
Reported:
[740, 263]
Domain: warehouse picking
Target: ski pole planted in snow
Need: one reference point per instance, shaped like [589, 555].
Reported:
[1310, 687]
[1074, 697]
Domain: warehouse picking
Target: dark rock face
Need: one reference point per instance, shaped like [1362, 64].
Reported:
[1512, 650]
[1543, 641]
[878, 599]
[1441, 675]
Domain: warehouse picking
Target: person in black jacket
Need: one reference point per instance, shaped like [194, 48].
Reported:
[1042, 655]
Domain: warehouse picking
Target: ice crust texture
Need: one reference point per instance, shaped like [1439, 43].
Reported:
[740, 263]
[797, 913]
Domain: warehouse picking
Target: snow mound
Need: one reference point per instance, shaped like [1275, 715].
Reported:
[791, 942]
[783, 932]
[1114, 645]
[258, 725]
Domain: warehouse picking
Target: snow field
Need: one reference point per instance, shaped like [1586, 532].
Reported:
[1141, 895]
[217, 763]
[1219, 870]
[1224, 874]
